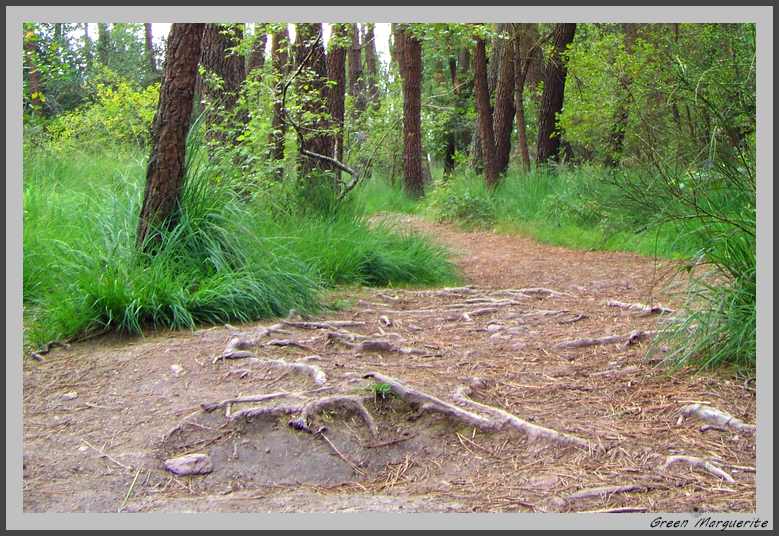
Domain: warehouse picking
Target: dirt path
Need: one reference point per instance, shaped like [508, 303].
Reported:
[101, 417]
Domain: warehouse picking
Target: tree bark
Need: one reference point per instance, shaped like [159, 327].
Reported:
[356, 89]
[280, 59]
[33, 74]
[482, 95]
[553, 95]
[336, 93]
[312, 89]
[221, 62]
[103, 42]
[257, 54]
[149, 45]
[371, 64]
[165, 172]
[410, 54]
[523, 44]
[504, 104]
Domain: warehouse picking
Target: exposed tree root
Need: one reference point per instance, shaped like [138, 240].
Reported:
[347, 402]
[289, 342]
[573, 319]
[718, 418]
[497, 421]
[533, 431]
[604, 492]
[640, 307]
[208, 407]
[699, 463]
[375, 345]
[632, 338]
[331, 324]
[544, 292]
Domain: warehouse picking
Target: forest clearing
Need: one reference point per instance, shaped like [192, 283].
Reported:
[389, 267]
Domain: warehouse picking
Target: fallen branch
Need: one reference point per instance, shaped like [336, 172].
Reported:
[716, 417]
[699, 463]
[640, 307]
[320, 433]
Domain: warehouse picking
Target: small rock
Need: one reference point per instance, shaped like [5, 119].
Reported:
[191, 464]
[177, 370]
[493, 328]
[267, 451]
[72, 395]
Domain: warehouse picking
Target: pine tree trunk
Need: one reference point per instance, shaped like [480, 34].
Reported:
[165, 172]
[87, 47]
[103, 42]
[336, 94]
[356, 83]
[149, 45]
[312, 87]
[503, 116]
[410, 54]
[219, 61]
[257, 54]
[553, 95]
[33, 74]
[371, 64]
[523, 47]
[482, 94]
[279, 58]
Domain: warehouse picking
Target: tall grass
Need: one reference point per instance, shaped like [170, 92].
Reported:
[225, 259]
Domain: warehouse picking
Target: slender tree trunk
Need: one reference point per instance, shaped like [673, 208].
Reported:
[103, 42]
[280, 58]
[149, 42]
[621, 115]
[221, 62]
[523, 45]
[356, 82]
[87, 47]
[312, 88]
[33, 74]
[336, 93]
[371, 64]
[165, 172]
[257, 54]
[552, 99]
[410, 54]
[503, 117]
[482, 94]
[451, 135]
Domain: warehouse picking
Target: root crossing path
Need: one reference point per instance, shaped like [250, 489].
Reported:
[534, 387]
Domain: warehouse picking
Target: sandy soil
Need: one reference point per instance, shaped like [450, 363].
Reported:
[100, 417]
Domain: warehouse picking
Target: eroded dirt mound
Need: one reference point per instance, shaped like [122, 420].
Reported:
[530, 390]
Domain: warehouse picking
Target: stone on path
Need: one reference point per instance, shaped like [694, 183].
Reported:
[191, 464]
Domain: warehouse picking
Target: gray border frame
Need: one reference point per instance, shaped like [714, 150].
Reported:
[15, 15]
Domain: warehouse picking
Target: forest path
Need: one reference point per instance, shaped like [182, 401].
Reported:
[102, 416]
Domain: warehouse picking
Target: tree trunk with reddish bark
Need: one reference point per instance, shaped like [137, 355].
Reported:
[165, 172]
[279, 59]
[553, 95]
[336, 91]
[503, 114]
[149, 46]
[409, 51]
[311, 83]
[486, 133]
[220, 61]
[371, 64]
[33, 74]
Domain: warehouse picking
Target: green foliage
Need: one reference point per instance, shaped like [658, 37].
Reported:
[120, 115]
[225, 260]
[466, 201]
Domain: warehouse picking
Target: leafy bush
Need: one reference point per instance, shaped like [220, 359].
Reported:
[464, 201]
[120, 115]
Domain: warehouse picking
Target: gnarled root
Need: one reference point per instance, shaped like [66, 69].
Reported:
[716, 417]
[699, 463]
[497, 421]
[640, 307]
[316, 374]
[350, 403]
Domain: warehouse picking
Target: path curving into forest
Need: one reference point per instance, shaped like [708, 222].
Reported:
[529, 388]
